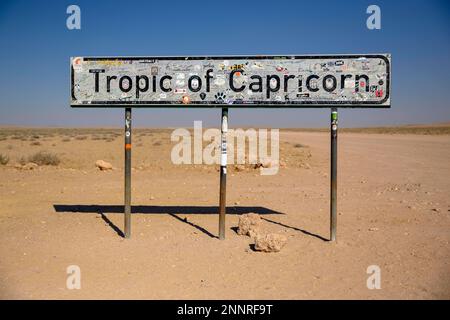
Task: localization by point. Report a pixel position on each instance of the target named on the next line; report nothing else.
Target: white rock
(271, 242)
(103, 165)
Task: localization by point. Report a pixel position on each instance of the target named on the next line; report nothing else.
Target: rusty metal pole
(127, 207)
(333, 175)
(223, 173)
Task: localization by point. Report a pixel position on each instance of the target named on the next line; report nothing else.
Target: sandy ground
(393, 205)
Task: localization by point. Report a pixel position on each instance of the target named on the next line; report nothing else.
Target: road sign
(333, 81)
(232, 81)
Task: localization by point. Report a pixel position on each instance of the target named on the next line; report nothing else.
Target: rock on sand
(103, 165)
(29, 166)
(271, 242)
(249, 224)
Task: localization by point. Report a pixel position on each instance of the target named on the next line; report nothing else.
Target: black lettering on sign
(208, 78)
(231, 80)
(286, 79)
(343, 77)
(161, 83)
(269, 87)
(329, 83)
(129, 81)
(308, 83)
(96, 77)
(108, 82)
(366, 79)
(257, 85)
(138, 85)
(199, 83)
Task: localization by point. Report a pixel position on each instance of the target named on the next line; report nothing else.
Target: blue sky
(36, 46)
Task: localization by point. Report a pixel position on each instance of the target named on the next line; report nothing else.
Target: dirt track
(393, 205)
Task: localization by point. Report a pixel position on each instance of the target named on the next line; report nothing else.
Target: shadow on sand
(172, 211)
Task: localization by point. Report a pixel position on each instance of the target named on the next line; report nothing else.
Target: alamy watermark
(190, 150)
(374, 280)
(374, 20)
(73, 21)
(73, 281)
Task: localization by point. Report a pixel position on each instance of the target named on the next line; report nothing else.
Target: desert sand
(393, 212)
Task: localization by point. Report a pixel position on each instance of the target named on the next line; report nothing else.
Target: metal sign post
(333, 174)
(127, 207)
(251, 82)
(223, 174)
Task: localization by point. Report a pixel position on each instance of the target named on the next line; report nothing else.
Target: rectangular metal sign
(232, 81)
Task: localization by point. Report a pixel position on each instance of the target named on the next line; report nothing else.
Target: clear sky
(36, 46)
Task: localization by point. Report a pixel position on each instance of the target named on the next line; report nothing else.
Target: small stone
(271, 242)
(103, 165)
(373, 229)
(30, 166)
(249, 224)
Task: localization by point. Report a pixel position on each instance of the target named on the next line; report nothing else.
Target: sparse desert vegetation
(4, 159)
(81, 148)
(44, 158)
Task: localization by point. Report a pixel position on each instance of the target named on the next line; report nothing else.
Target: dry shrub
(4, 159)
(44, 158)
(81, 137)
(35, 143)
(65, 140)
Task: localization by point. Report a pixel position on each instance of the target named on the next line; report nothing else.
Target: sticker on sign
(232, 81)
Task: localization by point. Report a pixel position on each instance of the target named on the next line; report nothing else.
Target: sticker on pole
(233, 81)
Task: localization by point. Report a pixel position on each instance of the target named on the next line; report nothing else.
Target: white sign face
(233, 81)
